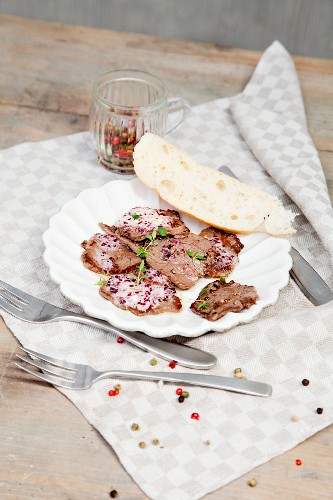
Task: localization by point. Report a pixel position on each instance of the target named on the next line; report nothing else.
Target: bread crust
(212, 197)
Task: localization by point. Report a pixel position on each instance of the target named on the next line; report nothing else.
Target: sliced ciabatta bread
(206, 194)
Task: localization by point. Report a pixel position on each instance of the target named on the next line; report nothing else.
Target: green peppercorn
(153, 362)
(185, 394)
(135, 427)
(155, 442)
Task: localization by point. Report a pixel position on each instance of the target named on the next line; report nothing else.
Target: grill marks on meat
(218, 255)
(138, 222)
(106, 254)
(171, 257)
(152, 295)
(180, 258)
(217, 299)
(222, 257)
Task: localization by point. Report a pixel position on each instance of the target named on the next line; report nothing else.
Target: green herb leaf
(222, 279)
(101, 282)
(141, 266)
(199, 256)
(162, 231)
(136, 216)
(189, 253)
(141, 252)
(131, 275)
(204, 290)
(203, 305)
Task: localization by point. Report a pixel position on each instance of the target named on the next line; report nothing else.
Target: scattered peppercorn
(252, 483)
(179, 391)
(294, 418)
(181, 399)
(320, 411)
(135, 427)
(172, 364)
(195, 416)
(142, 444)
(117, 387)
(185, 394)
(120, 340)
(238, 375)
(113, 493)
(237, 370)
(113, 393)
(305, 381)
(298, 462)
(155, 442)
(207, 442)
(153, 362)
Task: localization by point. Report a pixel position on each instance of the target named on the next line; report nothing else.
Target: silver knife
(308, 280)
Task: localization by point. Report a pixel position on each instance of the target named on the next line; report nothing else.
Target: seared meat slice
(222, 257)
(106, 254)
(153, 294)
(182, 260)
(141, 221)
(217, 299)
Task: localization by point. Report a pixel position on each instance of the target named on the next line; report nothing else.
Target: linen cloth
(261, 134)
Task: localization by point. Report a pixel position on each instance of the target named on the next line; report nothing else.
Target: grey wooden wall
(305, 27)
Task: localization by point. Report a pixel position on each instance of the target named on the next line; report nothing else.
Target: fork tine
(53, 370)
(16, 292)
(46, 377)
(48, 359)
(9, 307)
(14, 300)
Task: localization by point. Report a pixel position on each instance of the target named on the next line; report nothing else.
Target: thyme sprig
(195, 256)
(141, 272)
(143, 251)
(204, 304)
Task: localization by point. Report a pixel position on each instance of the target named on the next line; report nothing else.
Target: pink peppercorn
(120, 340)
(195, 416)
(172, 364)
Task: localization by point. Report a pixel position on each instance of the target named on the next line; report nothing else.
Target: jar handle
(177, 104)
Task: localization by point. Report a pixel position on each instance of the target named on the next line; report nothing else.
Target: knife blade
(308, 280)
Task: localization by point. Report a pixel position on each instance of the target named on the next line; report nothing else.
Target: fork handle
(171, 351)
(249, 387)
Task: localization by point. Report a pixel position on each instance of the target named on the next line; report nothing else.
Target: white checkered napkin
(290, 341)
(270, 116)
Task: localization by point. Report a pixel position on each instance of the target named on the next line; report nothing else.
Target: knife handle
(312, 285)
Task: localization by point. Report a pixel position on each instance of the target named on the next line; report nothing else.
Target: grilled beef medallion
(182, 260)
(151, 294)
(217, 299)
(138, 222)
(211, 253)
(106, 254)
(222, 257)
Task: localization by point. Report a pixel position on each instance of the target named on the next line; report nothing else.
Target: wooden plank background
(303, 26)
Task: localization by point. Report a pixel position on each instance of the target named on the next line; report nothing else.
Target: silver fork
(78, 376)
(28, 308)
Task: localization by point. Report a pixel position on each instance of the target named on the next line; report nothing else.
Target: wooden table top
(48, 450)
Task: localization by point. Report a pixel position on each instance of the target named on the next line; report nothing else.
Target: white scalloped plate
(264, 262)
